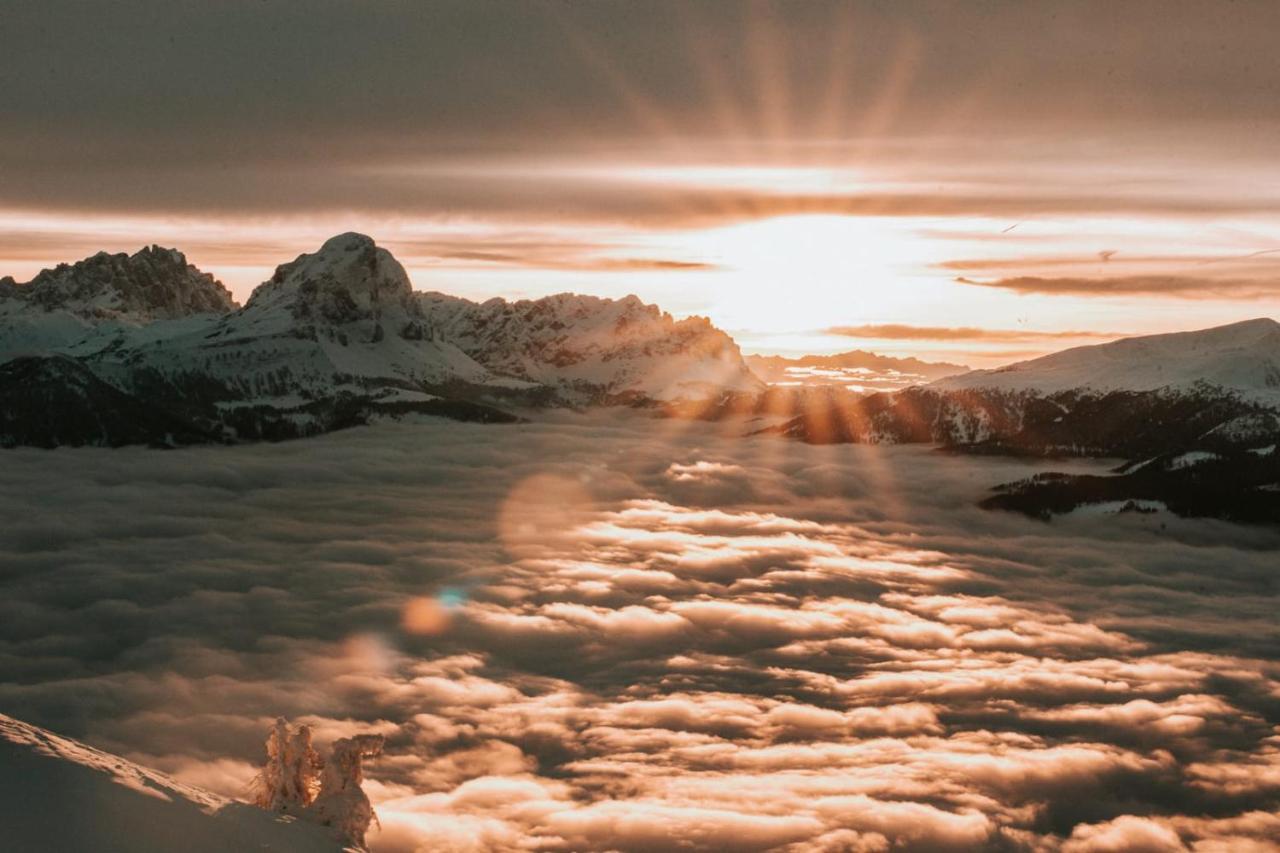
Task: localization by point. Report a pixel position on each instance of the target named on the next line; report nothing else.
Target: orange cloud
(903, 332)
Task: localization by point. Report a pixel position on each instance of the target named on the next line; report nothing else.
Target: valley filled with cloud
(609, 632)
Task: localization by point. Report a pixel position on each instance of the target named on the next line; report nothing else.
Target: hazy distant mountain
(857, 370)
(334, 338)
(1209, 400)
(1131, 396)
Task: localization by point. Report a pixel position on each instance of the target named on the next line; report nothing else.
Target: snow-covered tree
(296, 780)
(341, 803)
(289, 779)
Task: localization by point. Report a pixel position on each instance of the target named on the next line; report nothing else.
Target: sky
(974, 181)
(600, 634)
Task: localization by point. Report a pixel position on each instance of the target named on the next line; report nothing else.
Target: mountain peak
(350, 241)
(1238, 333)
(350, 287)
(154, 283)
(349, 278)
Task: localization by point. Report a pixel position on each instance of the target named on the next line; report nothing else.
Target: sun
(810, 271)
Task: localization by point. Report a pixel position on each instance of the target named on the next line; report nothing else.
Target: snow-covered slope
(49, 401)
(1240, 357)
(593, 347)
(58, 795)
(104, 299)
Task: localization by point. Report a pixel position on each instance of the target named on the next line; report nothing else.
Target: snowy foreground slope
(60, 796)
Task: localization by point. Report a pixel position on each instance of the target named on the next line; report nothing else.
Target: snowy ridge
(61, 795)
(1243, 358)
(151, 284)
(614, 347)
(105, 298)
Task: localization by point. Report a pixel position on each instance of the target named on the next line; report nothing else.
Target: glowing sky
(813, 176)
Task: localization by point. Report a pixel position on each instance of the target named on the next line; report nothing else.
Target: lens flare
(425, 616)
(542, 511)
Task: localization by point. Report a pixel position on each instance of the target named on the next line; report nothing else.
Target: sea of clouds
(617, 633)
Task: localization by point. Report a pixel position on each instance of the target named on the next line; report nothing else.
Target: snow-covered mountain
(1138, 395)
(590, 348)
(104, 297)
(335, 338)
(61, 796)
(151, 284)
(1197, 414)
(342, 320)
(1243, 358)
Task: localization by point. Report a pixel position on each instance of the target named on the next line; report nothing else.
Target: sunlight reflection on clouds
(586, 638)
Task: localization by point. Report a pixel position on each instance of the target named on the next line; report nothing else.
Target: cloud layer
(610, 634)
(1179, 286)
(153, 106)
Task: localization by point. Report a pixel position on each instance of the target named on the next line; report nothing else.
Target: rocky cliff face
(341, 320)
(151, 284)
(350, 284)
(593, 348)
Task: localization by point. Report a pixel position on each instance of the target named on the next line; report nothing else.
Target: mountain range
(147, 349)
(856, 370)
